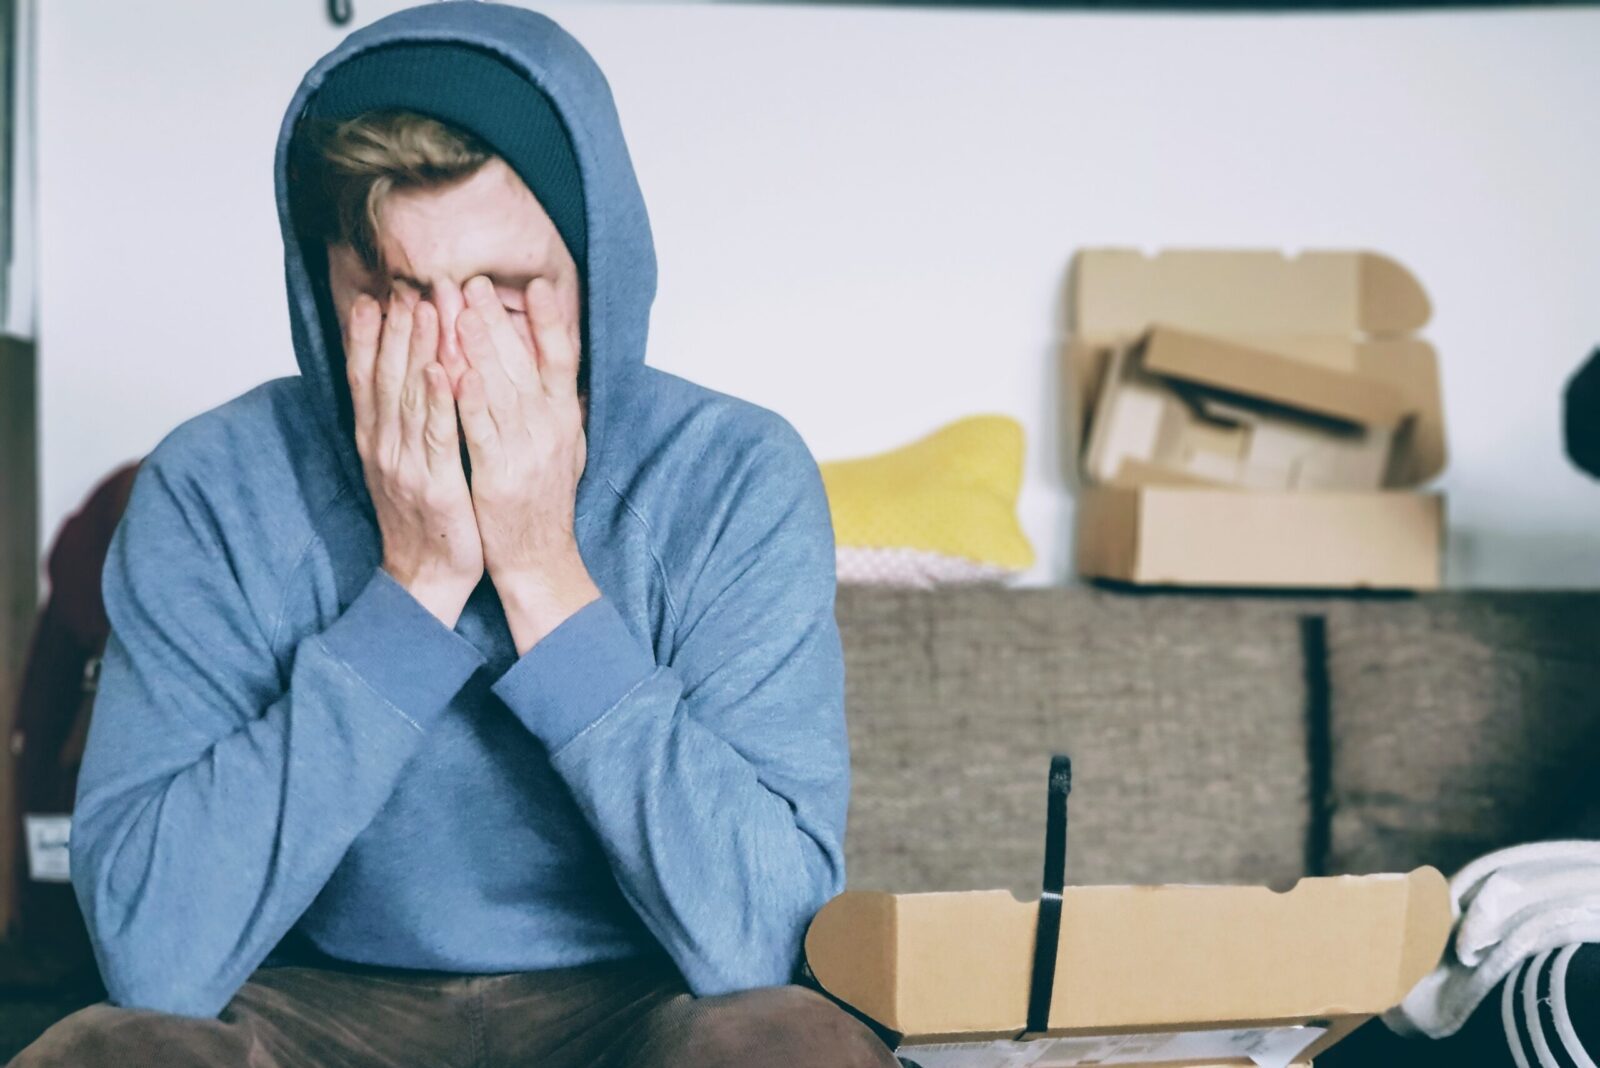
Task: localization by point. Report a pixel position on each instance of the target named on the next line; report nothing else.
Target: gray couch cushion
(1460, 723)
(1184, 716)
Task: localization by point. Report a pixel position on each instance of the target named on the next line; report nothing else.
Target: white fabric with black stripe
(1548, 1009)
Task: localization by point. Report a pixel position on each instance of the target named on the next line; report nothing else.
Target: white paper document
(1266, 1047)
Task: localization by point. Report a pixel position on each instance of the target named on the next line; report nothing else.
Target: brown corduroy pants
(635, 1014)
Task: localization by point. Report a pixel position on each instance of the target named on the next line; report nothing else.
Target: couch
(1215, 737)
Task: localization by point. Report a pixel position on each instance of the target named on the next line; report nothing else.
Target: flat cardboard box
(1284, 397)
(1177, 974)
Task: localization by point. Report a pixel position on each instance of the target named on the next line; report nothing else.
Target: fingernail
(479, 286)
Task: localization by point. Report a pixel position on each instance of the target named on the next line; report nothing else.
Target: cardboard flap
(1412, 367)
(882, 954)
(1348, 294)
(1278, 377)
(1133, 956)
(1428, 928)
(1192, 954)
(850, 949)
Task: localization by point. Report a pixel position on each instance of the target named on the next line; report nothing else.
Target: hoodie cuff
(575, 674)
(402, 651)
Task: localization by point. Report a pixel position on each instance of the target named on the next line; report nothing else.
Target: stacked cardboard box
(1251, 419)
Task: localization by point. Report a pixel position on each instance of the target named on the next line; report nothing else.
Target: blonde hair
(359, 161)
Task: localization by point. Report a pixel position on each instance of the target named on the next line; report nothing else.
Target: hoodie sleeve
(220, 789)
(717, 783)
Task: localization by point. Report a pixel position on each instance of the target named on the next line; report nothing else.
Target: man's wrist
(444, 597)
(536, 603)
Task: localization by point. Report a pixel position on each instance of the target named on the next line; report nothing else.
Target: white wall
(864, 216)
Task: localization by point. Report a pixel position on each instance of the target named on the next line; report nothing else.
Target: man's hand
(524, 431)
(405, 424)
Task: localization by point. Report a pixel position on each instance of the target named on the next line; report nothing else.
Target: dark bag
(1582, 409)
(48, 733)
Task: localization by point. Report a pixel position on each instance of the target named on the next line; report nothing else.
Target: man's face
(431, 241)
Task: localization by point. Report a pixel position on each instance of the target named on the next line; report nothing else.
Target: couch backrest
(1461, 723)
(1215, 738)
(1185, 718)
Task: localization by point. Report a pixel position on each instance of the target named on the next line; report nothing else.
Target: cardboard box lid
(1337, 293)
(1250, 367)
(946, 964)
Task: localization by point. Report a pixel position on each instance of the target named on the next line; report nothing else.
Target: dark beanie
(475, 91)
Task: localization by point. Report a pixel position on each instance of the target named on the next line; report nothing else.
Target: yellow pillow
(942, 509)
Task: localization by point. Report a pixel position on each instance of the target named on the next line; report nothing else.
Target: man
(474, 697)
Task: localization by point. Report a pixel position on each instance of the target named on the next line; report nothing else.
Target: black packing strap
(1048, 934)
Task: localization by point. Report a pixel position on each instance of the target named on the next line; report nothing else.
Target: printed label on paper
(47, 847)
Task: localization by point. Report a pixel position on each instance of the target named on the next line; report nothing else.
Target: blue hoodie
(286, 743)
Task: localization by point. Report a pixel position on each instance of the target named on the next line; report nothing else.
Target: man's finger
(440, 445)
(558, 356)
(501, 396)
(394, 349)
(513, 355)
(424, 344)
(476, 422)
(360, 350)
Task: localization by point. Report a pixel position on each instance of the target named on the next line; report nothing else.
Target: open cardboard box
(1255, 420)
(1175, 975)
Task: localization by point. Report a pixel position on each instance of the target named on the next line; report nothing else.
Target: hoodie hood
(618, 270)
